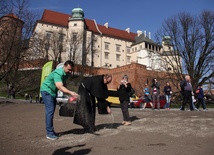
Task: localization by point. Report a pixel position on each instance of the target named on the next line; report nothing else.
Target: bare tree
(191, 39)
(50, 46)
(82, 50)
(16, 26)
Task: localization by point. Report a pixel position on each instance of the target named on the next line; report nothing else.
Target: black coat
(124, 92)
(96, 87)
(89, 89)
(167, 90)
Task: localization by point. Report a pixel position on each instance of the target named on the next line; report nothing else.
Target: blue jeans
(168, 97)
(156, 99)
(50, 106)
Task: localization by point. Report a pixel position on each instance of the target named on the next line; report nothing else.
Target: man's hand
(74, 94)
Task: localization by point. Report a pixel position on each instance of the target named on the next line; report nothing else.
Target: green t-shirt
(58, 75)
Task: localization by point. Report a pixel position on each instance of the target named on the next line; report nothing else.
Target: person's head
(167, 83)
(146, 84)
(125, 77)
(68, 67)
(187, 77)
(154, 80)
(107, 78)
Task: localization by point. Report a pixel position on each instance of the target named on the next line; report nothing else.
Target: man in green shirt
(54, 82)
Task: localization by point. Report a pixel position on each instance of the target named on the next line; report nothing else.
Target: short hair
(69, 62)
(125, 77)
(187, 76)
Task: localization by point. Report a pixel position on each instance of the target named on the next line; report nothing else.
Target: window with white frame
(106, 55)
(107, 46)
(61, 37)
(128, 50)
(128, 59)
(48, 35)
(118, 57)
(132, 49)
(118, 48)
(74, 36)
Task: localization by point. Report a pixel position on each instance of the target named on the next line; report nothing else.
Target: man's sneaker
(57, 134)
(205, 109)
(52, 137)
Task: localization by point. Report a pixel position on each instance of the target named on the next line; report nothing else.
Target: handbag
(67, 109)
(131, 92)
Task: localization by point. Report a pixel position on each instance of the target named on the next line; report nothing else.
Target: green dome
(77, 13)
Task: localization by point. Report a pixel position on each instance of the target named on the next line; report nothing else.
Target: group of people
(189, 95)
(186, 90)
(91, 90)
(94, 89)
(153, 97)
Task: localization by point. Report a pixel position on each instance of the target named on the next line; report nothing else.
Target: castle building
(63, 36)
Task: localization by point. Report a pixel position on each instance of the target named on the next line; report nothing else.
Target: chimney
(144, 33)
(149, 35)
(106, 25)
(139, 32)
(128, 30)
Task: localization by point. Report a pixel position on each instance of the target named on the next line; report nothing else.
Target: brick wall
(138, 76)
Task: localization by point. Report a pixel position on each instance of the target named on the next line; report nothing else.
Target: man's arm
(62, 88)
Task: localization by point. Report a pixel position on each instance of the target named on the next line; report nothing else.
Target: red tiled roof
(53, 17)
(61, 19)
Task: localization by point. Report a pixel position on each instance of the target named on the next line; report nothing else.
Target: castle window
(128, 49)
(118, 48)
(61, 37)
(74, 37)
(106, 55)
(128, 59)
(107, 46)
(118, 57)
(48, 35)
(146, 45)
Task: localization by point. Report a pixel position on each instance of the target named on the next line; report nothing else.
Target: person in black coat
(90, 89)
(186, 91)
(124, 89)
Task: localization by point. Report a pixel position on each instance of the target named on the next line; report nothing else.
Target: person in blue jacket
(200, 97)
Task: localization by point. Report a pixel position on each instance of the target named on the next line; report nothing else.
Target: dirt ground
(153, 132)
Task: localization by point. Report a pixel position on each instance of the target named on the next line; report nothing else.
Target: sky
(144, 15)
